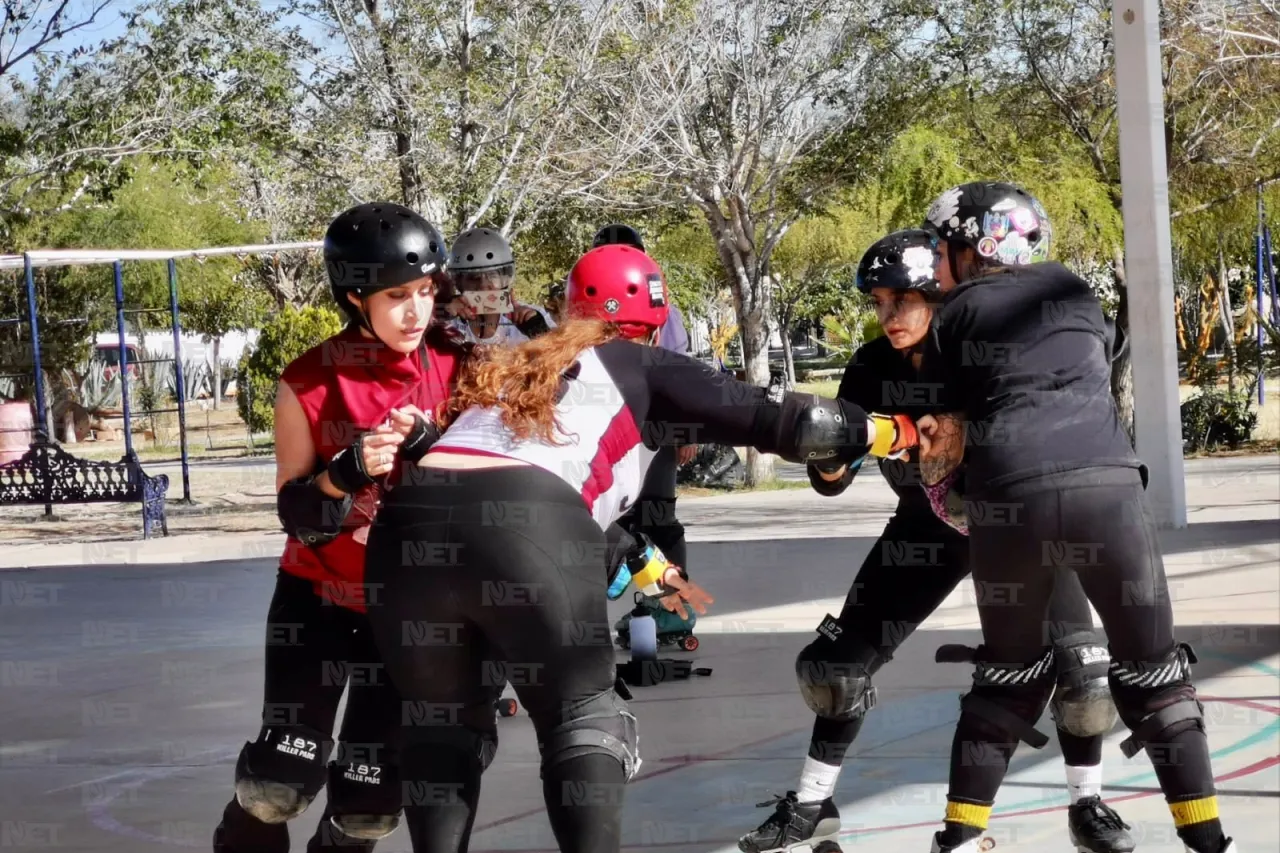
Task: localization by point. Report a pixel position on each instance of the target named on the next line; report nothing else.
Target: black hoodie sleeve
(679, 400)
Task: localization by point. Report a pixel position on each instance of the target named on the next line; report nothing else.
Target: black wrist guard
(347, 471)
(419, 440)
(308, 514)
(534, 326)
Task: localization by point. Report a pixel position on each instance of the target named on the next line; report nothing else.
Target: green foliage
(691, 264)
(283, 338)
(1213, 419)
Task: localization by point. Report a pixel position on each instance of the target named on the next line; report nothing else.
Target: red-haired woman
(489, 554)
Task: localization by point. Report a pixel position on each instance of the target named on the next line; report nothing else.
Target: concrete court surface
(127, 690)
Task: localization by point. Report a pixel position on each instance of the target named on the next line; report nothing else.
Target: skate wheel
(507, 707)
(987, 844)
(689, 643)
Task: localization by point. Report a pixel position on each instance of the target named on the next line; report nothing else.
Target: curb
(199, 548)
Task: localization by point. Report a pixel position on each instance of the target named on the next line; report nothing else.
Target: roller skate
(1096, 828)
(794, 826)
(672, 630)
(973, 845)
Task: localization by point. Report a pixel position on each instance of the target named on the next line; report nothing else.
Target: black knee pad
(1082, 703)
(279, 775)
(835, 671)
(365, 800)
(601, 724)
(1006, 699)
(1156, 699)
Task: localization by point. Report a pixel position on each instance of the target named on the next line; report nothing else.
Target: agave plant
(197, 379)
(96, 391)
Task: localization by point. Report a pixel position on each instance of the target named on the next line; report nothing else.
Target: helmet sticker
(971, 229)
(995, 225)
(656, 295)
(987, 247)
(1023, 220)
(612, 306)
(1011, 248)
(944, 208)
(919, 262)
(1004, 204)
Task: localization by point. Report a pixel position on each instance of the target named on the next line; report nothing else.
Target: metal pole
(33, 318)
(1148, 262)
(1262, 336)
(42, 414)
(117, 271)
(176, 324)
(1271, 274)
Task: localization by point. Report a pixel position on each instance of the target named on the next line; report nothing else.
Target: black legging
(1097, 521)
(312, 649)
(494, 576)
(908, 573)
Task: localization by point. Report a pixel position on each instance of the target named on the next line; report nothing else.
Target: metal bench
(47, 474)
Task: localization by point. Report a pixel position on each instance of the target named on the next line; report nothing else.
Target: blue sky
(108, 24)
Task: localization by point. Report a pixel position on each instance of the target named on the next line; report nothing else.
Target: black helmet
(479, 250)
(903, 260)
(618, 235)
(377, 246)
(1002, 222)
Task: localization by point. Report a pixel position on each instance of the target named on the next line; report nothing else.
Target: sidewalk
(1223, 494)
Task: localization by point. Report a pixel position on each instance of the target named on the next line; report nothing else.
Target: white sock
(817, 781)
(1084, 782)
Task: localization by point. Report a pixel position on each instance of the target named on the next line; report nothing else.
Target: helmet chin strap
(953, 250)
(366, 323)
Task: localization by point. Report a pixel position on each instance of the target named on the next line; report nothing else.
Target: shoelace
(781, 818)
(1106, 815)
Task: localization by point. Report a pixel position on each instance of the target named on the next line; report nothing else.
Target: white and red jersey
(619, 403)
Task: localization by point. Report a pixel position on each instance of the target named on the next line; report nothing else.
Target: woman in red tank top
(347, 413)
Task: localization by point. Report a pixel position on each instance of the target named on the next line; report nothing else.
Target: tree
(1051, 65)
(814, 269)
(750, 98)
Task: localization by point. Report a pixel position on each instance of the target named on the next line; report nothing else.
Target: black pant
(314, 649)
(654, 514)
(489, 577)
(912, 568)
(1097, 524)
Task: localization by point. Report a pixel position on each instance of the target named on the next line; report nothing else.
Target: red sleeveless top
(347, 385)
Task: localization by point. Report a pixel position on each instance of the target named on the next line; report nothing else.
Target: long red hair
(524, 381)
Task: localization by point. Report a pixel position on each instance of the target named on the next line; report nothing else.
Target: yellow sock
(968, 814)
(1194, 811)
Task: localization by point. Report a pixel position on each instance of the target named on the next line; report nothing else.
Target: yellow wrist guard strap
(886, 435)
(651, 574)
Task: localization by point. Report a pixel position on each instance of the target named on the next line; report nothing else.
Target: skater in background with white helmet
(1019, 351)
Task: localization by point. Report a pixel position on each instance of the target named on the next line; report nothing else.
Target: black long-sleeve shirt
(1024, 355)
(622, 401)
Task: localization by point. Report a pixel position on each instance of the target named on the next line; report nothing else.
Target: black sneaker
(1096, 828)
(792, 825)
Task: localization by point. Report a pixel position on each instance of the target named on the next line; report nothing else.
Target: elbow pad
(825, 430)
(308, 514)
(833, 488)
